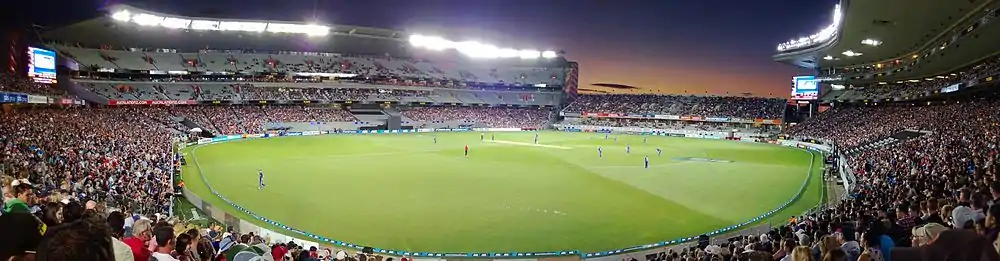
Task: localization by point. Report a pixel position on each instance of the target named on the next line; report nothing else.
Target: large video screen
(805, 88)
(42, 65)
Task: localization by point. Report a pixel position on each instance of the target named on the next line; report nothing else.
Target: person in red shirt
(279, 251)
(467, 150)
(141, 233)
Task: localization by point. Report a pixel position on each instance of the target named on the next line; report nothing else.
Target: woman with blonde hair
(828, 243)
(802, 253)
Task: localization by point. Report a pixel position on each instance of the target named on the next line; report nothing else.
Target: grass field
(405, 192)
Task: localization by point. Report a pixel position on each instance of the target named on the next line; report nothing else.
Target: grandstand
(908, 137)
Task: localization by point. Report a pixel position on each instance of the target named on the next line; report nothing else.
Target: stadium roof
(127, 26)
(876, 33)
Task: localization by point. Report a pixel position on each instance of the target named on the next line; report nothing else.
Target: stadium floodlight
(431, 42)
(871, 42)
(508, 53)
(529, 54)
(205, 25)
(309, 29)
(822, 36)
(549, 54)
(242, 26)
(477, 50)
(175, 23)
(828, 57)
(122, 15)
(147, 19)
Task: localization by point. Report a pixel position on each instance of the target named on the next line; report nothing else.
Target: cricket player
(536, 138)
(628, 148)
(644, 140)
(646, 160)
(493, 136)
(260, 179)
(600, 154)
(466, 150)
(482, 136)
(435, 139)
(606, 134)
(658, 152)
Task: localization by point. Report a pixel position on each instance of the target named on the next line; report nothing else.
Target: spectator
(86, 239)
(165, 240)
(116, 221)
(22, 234)
(142, 233)
(835, 255)
(52, 214)
(24, 196)
(801, 253)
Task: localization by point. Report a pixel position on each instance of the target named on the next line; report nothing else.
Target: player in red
(466, 150)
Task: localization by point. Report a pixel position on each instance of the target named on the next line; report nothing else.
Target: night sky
(665, 46)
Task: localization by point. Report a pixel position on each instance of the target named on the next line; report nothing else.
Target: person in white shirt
(164, 244)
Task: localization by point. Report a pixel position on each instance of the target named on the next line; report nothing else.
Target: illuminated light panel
(309, 29)
(850, 53)
(529, 54)
(147, 19)
(175, 23)
(822, 36)
(242, 26)
(871, 42)
(122, 15)
(549, 54)
(828, 57)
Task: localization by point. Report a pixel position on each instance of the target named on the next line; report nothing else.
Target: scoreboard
(41, 65)
(805, 88)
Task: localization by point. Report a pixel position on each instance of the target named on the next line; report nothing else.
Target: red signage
(151, 102)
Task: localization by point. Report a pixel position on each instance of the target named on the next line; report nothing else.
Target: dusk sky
(665, 46)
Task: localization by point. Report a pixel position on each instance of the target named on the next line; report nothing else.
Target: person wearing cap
(23, 196)
(29, 231)
(926, 234)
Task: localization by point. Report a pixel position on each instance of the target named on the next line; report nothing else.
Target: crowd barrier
(649, 250)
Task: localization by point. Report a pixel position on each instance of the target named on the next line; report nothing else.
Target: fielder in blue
(658, 152)
(628, 148)
(536, 138)
(646, 159)
(600, 154)
(260, 182)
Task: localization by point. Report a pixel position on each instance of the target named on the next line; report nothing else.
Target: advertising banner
(204, 140)
(37, 99)
(667, 117)
(717, 119)
(293, 134)
(151, 102)
(310, 133)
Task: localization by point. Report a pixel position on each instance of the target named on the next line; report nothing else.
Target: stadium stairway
(895, 138)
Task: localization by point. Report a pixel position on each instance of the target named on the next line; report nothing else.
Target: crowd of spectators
(115, 156)
(11, 83)
(495, 117)
(704, 106)
(923, 86)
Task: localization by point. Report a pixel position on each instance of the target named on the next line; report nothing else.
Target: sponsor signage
(7, 97)
(151, 102)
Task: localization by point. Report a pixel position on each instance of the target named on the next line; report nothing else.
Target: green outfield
(404, 192)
